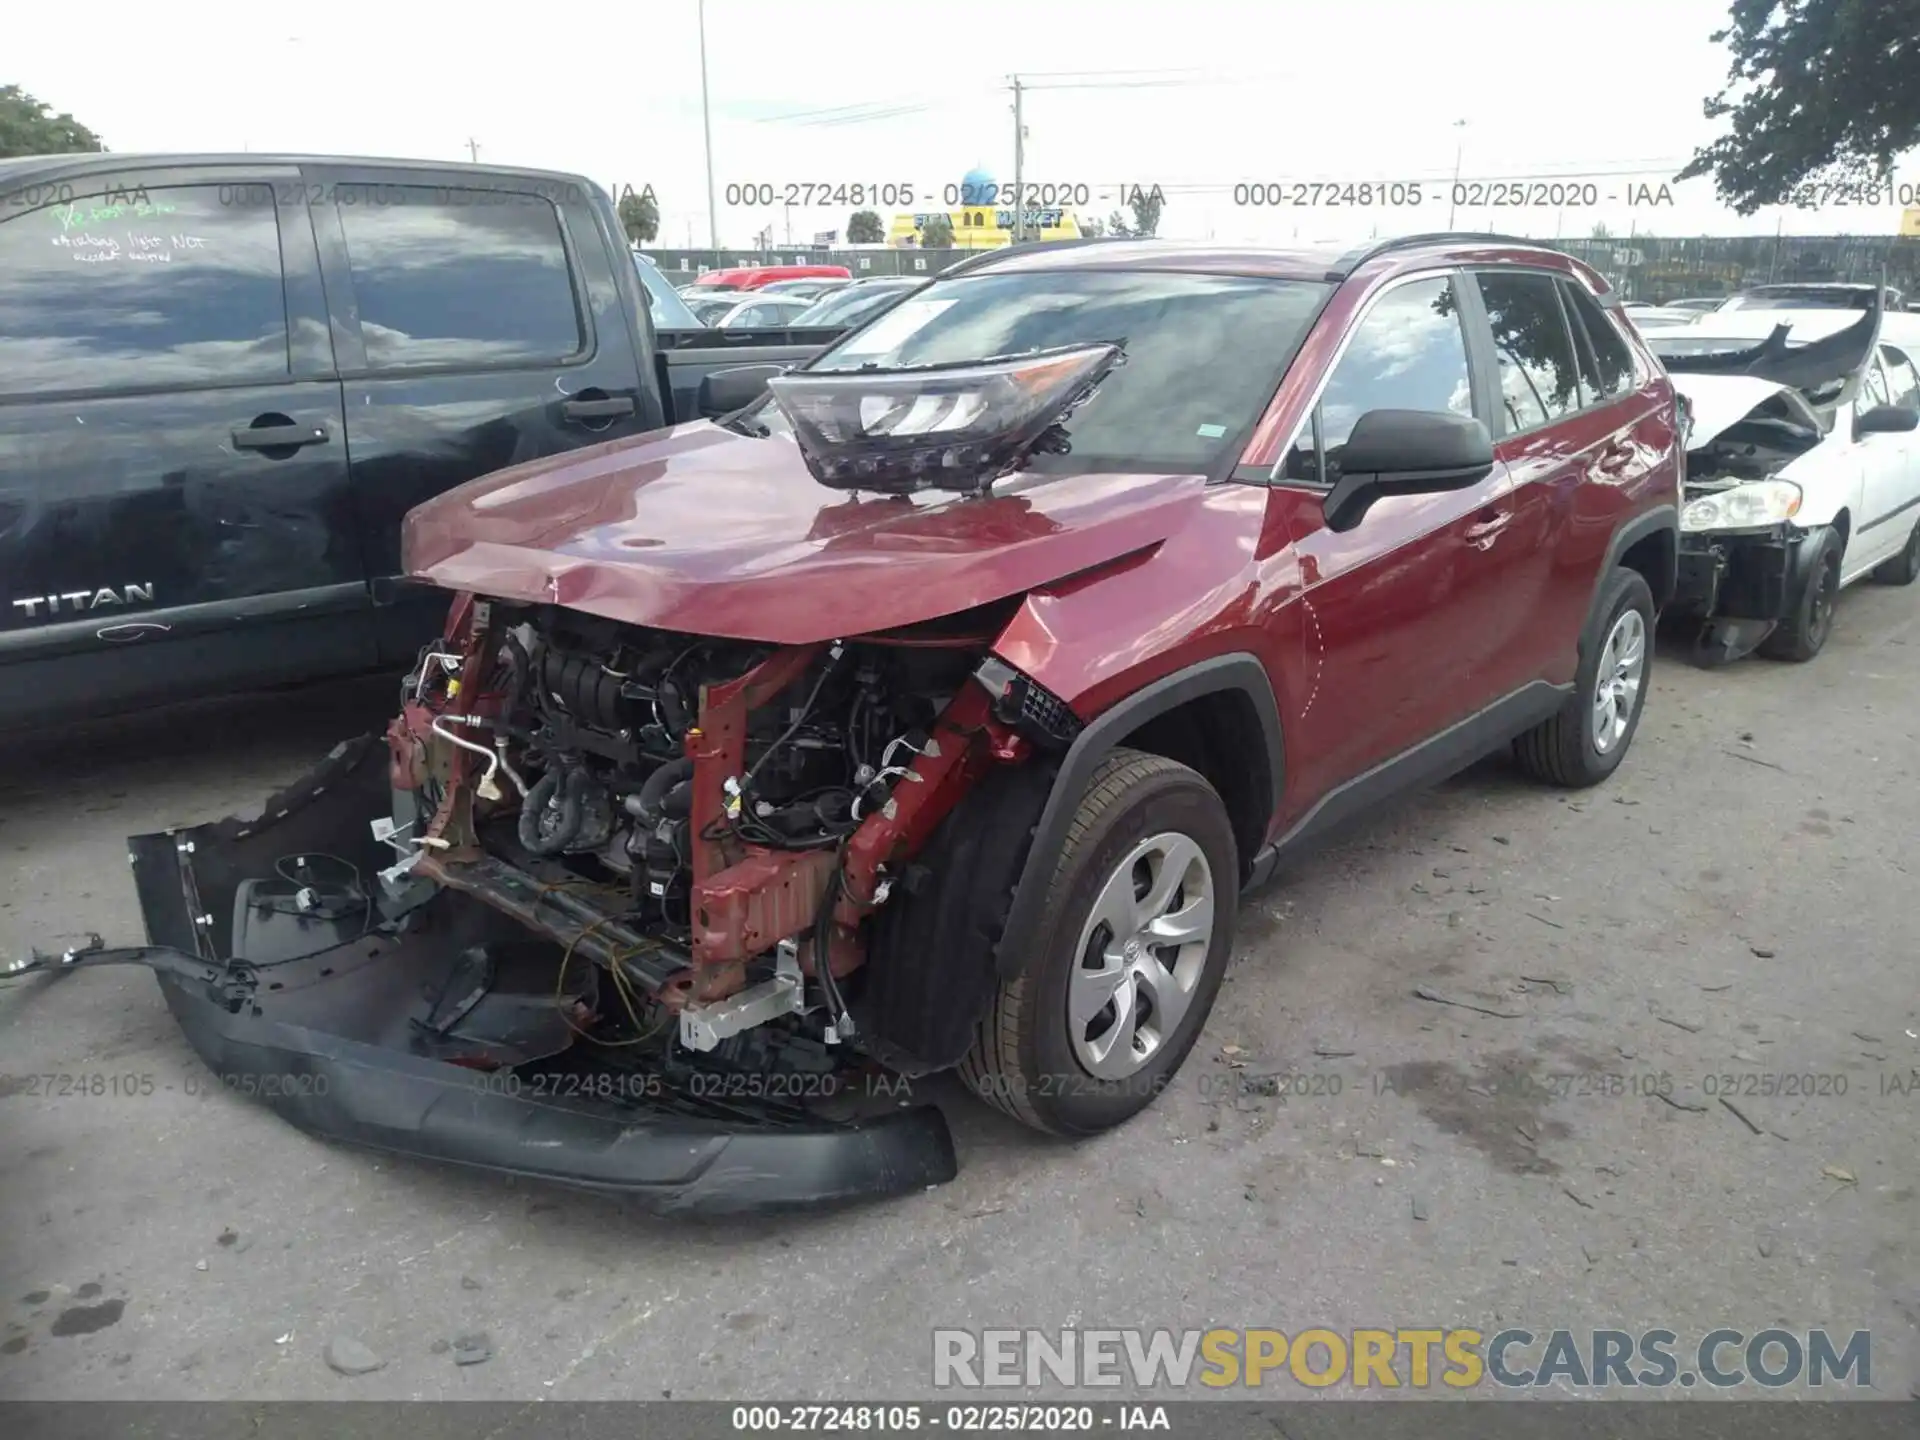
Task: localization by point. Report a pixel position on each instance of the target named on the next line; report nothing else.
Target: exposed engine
(598, 716)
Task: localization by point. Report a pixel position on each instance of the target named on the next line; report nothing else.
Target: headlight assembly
(1743, 507)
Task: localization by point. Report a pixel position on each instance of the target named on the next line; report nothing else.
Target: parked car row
(770, 296)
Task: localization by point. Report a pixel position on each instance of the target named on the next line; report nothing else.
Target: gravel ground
(1737, 901)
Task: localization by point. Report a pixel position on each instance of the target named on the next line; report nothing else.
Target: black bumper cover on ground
(335, 1042)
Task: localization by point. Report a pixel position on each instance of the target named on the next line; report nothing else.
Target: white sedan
(1803, 470)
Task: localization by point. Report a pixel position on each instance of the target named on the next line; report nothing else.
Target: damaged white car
(1803, 472)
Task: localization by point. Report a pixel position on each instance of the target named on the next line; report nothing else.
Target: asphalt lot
(1739, 900)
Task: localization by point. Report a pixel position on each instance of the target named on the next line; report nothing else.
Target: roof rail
(986, 257)
(1359, 255)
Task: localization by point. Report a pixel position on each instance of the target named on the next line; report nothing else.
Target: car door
(480, 326)
(1890, 481)
(174, 511)
(1395, 609)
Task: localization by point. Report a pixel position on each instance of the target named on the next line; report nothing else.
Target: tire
(1025, 1058)
(1904, 568)
(1803, 634)
(1573, 748)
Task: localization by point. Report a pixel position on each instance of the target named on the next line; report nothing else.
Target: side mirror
(725, 391)
(1886, 420)
(1405, 452)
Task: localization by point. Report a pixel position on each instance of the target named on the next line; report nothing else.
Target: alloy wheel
(1623, 669)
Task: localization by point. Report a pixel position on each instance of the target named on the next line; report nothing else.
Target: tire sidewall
(1628, 590)
(1070, 1100)
(1826, 563)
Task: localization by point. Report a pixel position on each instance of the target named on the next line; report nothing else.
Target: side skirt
(1427, 763)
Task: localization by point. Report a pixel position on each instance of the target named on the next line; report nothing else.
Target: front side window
(1903, 384)
(475, 281)
(1408, 353)
(1204, 353)
(142, 288)
(1606, 362)
(1539, 379)
(1875, 390)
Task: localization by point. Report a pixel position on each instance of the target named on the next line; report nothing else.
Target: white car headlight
(1744, 507)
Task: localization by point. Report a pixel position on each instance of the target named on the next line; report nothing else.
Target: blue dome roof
(978, 187)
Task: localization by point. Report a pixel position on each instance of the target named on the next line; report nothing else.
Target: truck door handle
(279, 437)
(608, 409)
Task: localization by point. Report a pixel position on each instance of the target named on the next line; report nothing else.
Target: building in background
(979, 222)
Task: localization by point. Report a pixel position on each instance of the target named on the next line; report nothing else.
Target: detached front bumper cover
(345, 1033)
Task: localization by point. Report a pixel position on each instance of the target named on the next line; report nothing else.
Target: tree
(1146, 206)
(937, 233)
(1093, 229)
(29, 127)
(1820, 93)
(1600, 232)
(1117, 224)
(639, 215)
(864, 228)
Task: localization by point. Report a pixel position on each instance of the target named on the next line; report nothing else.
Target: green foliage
(639, 215)
(937, 233)
(29, 127)
(1820, 93)
(864, 228)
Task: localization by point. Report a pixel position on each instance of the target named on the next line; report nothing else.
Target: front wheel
(1586, 741)
(1139, 923)
(1803, 634)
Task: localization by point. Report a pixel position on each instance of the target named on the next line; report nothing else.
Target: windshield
(1204, 353)
(851, 303)
(669, 311)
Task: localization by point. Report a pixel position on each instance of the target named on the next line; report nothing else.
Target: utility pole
(473, 150)
(789, 223)
(706, 124)
(1459, 148)
(1019, 167)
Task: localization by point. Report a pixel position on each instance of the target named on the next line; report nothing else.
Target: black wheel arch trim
(1648, 522)
(1238, 671)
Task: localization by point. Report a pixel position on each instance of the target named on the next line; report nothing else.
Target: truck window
(142, 289)
(474, 277)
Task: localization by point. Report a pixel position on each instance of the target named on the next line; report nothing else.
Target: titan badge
(79, 602)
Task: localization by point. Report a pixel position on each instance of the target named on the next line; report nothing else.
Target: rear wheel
(1586, 741)
(1904, 568)
(1139, 923)
(1803, 634)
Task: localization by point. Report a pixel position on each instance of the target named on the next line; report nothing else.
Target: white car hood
(1719, 402)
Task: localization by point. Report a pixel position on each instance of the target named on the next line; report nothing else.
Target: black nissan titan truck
(225, 378)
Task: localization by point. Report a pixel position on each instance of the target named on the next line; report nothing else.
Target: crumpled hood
(702, 530)
(1719, 402)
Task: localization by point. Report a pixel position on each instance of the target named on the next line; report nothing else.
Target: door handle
(279, 437)
(608, 409)
(1484, 533)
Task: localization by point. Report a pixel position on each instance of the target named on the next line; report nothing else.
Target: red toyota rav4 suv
(934, 708)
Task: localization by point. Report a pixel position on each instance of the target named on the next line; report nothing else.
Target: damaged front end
(1756, 416)
(598, 908)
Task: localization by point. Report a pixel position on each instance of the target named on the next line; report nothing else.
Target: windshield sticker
(895, 328)
(1211, 432)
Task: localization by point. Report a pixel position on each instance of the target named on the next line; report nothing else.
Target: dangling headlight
(1757, 504)
(948, 427)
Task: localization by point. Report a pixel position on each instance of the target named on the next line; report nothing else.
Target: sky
(1592, 106)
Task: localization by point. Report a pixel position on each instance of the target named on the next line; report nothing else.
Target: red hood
(701, 530)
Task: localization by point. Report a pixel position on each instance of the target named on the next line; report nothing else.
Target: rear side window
(1408, 353)
(1903, 384)
(480, 278)
(143, 288)
(1606, 364)
(1539, 380)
